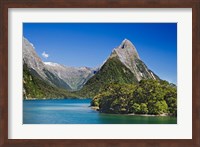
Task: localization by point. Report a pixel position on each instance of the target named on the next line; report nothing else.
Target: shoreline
(52, 98)
(164, 114)
(131, 114)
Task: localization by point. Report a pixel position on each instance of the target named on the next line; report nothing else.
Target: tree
(158, 108)
(140, 108)
(136, 108)
(143, 108)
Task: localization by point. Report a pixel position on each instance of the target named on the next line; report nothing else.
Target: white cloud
(45, 55)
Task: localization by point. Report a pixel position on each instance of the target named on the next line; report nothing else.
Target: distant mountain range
(122, 66)
(70, 78)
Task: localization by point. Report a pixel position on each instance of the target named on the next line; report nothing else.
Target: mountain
(122, 66)
(50, 74)
(71, 78)
(75, 77)
(37, 67)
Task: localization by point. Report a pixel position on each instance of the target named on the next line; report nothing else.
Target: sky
(90, 44)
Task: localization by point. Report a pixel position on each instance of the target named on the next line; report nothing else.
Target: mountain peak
(126, 43)
(127, 48)
(126, 52)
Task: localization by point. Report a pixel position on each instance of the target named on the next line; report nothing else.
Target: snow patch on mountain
(51, 64)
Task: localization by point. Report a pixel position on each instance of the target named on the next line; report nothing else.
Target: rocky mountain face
(122, 66)
(70, 78)
(36, 87)
(31, 59)
(75, 77)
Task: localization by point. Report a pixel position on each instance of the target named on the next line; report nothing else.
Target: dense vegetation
(34, 87)
(113, 71)
(147, 97)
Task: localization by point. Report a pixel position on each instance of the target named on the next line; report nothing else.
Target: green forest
(154, 97)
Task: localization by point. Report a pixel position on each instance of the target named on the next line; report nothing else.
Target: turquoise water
(77, 111)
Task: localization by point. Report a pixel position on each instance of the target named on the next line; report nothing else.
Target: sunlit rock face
(126, 52)
(31, 59)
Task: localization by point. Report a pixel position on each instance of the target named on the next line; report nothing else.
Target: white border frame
(181, 130)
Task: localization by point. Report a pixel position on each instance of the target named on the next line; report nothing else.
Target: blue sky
(89, 44)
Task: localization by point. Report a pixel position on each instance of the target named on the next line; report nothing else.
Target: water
(77, 111)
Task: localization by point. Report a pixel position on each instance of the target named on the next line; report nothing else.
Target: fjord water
(77, 111)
